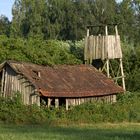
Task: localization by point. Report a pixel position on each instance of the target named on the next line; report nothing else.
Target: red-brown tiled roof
(67, 80)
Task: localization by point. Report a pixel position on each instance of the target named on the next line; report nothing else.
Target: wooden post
(122, 73)
(116, 30)
(49, 102)
(107, 61)
(87, 31)
(67, 106)
(56, 103)
(106, 30)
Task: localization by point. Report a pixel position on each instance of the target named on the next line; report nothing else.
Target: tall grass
(94, 132)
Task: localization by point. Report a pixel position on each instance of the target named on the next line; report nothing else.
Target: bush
(125, 109)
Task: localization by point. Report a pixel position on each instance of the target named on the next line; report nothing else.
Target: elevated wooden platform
(102, 47)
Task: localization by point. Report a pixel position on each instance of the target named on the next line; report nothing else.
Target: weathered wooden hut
(67, 85)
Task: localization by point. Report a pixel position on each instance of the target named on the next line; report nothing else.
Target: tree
(28, 18)
(4, 25)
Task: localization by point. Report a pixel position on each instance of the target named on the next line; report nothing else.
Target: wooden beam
(107, 62)
(87, 31)
(116, 30)
(67, 106)
(119, 77)
(122, 73)
(56, 103)
(49, 102)
(106, 30)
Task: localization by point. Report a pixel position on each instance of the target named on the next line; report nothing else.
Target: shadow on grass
(70, 133)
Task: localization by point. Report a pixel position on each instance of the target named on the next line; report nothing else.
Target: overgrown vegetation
(125, 110)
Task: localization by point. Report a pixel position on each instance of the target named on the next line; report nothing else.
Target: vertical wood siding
(102, 47)
(78, 101)
(14, 82)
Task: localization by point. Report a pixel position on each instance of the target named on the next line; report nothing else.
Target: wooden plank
(97, 44)
(2, 81)
(113, 46)
(109, 48)
(85, 49)
(90, 48)
(94, 48)
(5, 83)
(103, 49)
(99, 47)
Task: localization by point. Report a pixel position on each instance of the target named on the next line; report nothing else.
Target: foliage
(131, 61)
(67, 19)
(126, 109)
(38, 51)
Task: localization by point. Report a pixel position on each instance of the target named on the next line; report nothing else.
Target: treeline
(67, 19)
(51, 32)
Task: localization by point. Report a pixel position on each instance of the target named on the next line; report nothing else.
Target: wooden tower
(106, 49)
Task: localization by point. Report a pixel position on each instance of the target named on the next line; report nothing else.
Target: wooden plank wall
(14, 82)
(102, 47)
(78, 101)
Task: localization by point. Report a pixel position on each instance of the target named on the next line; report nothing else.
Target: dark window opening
(52, 102)
(0, 80)
(62, 101)
(43, 101)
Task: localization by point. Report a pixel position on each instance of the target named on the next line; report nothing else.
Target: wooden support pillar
(67, 106)
(122, 73)
(56, 103)
(49, 102)
(107, 63)
(87, 31)
(116, 30)
(106, 30)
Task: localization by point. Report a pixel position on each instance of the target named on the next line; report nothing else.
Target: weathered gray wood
(87, 32)
(116, 30)
(49, 102)
(2, 81)
(90, 48)
(56, 103)
(5, 84)
(67, 104)
(85, 49)
(102, 47)
(122, 73)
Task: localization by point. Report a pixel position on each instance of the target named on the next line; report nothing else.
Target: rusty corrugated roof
(66, 80)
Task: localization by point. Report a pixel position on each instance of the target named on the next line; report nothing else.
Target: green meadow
(107, 131)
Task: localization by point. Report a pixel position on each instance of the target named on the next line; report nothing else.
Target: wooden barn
(59, 85)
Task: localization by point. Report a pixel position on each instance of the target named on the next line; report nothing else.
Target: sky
(6, 8)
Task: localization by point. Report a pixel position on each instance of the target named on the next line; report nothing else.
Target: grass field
(74, 132)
